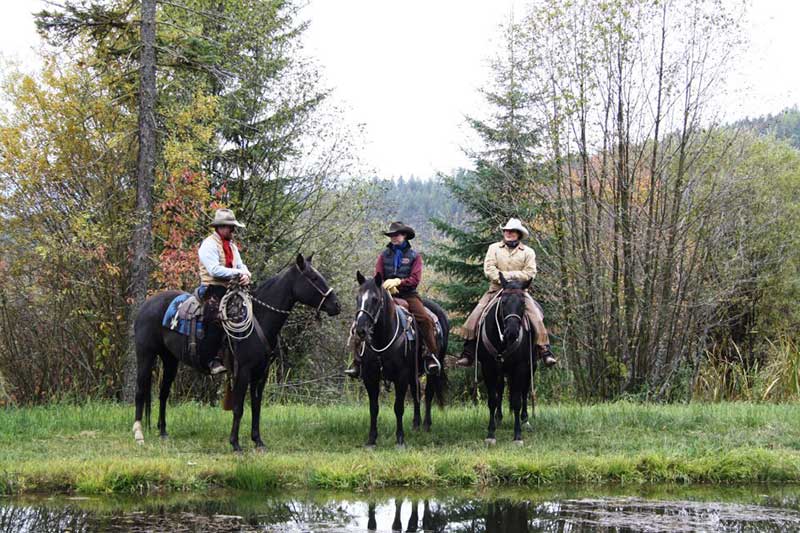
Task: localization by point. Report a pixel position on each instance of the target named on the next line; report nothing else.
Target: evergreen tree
(499, 185)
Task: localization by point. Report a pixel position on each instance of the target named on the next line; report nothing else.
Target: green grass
(90, 448)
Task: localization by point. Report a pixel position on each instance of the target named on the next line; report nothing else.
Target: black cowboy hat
(399, 227)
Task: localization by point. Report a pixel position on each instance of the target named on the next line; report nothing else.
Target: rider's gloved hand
(391, 285)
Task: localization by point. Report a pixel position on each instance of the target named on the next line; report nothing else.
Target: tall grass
(726, 379)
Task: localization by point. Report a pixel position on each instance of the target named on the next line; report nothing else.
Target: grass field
(90, 448)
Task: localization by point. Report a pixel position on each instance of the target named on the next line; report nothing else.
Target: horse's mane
(269, 282)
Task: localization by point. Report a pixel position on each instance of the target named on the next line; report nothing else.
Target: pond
(569, 509)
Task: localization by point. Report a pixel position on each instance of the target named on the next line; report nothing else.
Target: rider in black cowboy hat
(401, 268)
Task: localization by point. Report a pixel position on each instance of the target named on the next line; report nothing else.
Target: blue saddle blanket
(182, 326)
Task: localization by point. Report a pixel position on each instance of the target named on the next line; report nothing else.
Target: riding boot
(215, 366)
(354, 370)
(546, 355)
(468, 353)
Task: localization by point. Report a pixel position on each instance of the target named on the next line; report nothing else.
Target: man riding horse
(220, 263)
(517, 262)
(401, 268)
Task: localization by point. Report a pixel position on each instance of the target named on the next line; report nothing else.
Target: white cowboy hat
(225, 217)
(514, 224)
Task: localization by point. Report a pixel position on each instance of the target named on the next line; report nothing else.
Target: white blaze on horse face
(364, 298)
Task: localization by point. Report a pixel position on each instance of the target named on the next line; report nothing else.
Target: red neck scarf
(226, 247)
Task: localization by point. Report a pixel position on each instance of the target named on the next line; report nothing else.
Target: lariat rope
(240, 327)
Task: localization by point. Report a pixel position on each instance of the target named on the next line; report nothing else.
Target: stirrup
(216, 367)
(353, 372)
(435, 368)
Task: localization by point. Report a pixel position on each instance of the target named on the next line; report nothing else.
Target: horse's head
(312, 289)
(512, 306)
(369, 302)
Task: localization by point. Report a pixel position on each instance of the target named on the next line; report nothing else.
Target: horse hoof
(400, 446)
(164, 436)
(415, 427)
(138, 434)
(370, 447)
(426, 428)
(519, 443)
(490, 442)
(260, 449)
(527, 426)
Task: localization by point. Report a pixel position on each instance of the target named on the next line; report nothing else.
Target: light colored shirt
(209, 257)
(518, 264)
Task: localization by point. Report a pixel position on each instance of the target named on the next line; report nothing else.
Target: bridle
(374, 321)
(510, 315)
(322, 293)
(484, 338)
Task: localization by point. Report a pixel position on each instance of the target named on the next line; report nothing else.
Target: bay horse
(393, 354)
(505, 350)
(273, 301)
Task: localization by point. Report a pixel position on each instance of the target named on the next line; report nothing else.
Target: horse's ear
(301, 263)
(308, 259)
(527, 284)
(503, 281)
(378, 279)
(360, 277)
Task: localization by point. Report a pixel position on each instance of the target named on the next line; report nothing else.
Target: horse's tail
(439, 383)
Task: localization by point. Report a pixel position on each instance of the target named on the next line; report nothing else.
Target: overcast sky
(409, 71)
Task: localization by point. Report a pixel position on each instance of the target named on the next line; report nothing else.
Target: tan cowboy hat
(225, 217)
(514, 224)
(399, 227)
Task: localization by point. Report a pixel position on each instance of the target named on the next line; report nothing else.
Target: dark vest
(403, 271)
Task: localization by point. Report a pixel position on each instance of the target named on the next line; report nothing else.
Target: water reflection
(568, 510)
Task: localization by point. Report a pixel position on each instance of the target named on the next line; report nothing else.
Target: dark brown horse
(505, 350)
(392, 351)
(273, 302)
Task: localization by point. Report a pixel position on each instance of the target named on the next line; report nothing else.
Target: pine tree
(499, 185)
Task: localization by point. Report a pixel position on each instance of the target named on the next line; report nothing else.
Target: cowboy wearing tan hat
(401, 267)
(220, 262)
(517, 262)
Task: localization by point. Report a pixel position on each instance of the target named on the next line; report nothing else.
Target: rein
(484, 337)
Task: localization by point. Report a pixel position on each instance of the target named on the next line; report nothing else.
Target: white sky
(409, 71)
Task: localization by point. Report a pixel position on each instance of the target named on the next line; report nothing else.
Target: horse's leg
(490, 378)
(501, 387)
(239, 392)
(413, 520)
(145, 360)
(401, 386)
(414, 385)
(257, 381)
(397, 524)
(430, 390)
(170, 371)
(517, 391)
(373, 388)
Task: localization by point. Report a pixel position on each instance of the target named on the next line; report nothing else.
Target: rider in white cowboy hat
(517, 262)
(219, 263)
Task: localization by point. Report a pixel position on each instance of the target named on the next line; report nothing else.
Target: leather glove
(390, 284)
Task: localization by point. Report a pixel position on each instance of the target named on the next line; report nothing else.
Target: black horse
(505, 349)
(392, 351)
(273, 301)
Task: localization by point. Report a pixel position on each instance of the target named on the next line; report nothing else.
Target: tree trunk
(145, 172)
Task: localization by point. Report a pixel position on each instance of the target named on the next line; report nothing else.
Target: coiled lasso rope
(238, 328)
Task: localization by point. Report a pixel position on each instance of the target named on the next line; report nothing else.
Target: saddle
(185, 316)
(437, 326)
